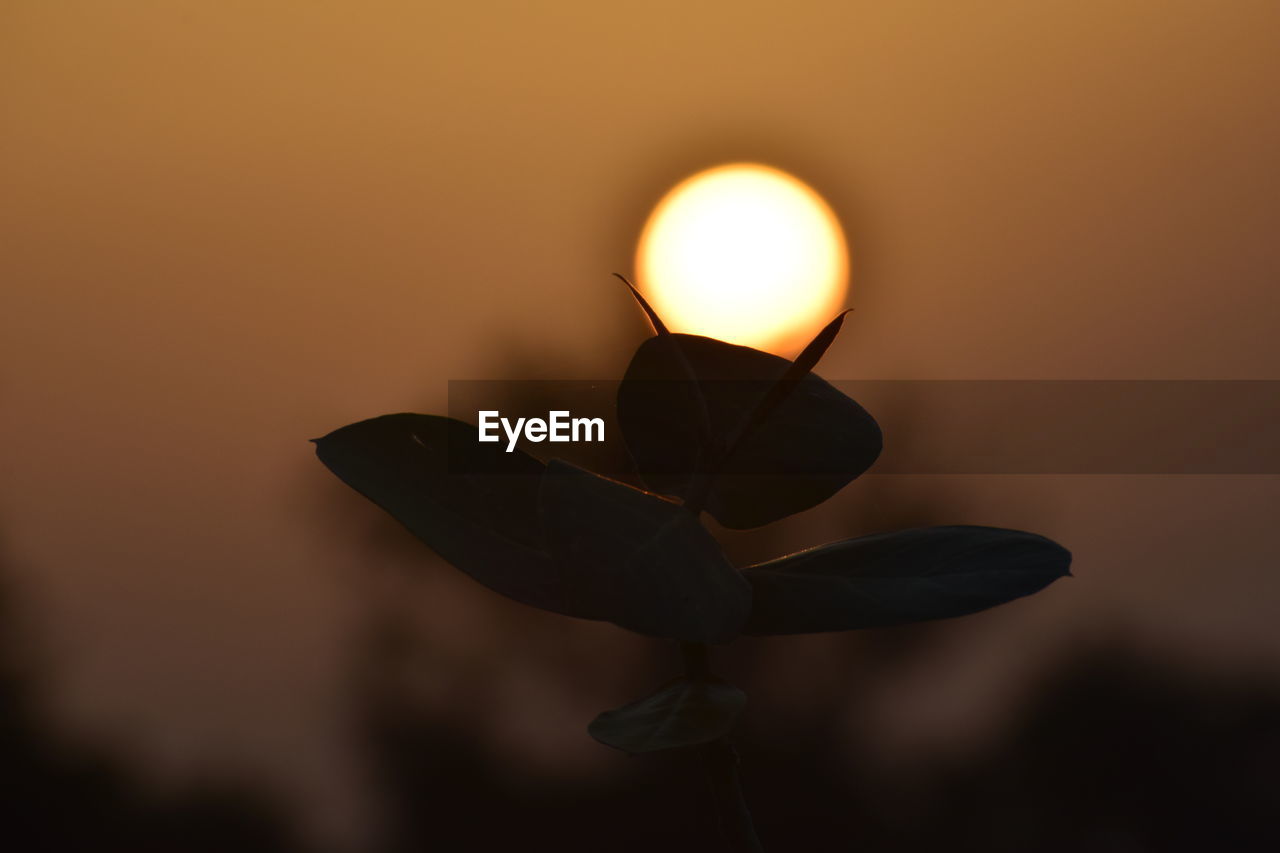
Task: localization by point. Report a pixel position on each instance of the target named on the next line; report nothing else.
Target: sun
(745, 253)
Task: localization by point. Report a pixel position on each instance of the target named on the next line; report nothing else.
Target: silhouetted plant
(748, 438)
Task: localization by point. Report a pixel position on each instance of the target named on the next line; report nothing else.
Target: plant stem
(697, 665)
(721, 762)
(735, 818)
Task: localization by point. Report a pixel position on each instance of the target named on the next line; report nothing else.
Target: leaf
(804, 363)
(682, 713)
(814, 441)
(895, 578)
(611, 552)
(473, 503)
(659, 328)
(813, 351)
(639, 560)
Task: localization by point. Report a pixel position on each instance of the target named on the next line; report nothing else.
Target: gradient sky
(229, 227)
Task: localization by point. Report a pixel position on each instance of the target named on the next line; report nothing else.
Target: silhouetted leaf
(895, 578)
(472, 502)
(812, 443)
(639, 560)
(659, 328)
(804, 363)
(814, 350)
(682, 713)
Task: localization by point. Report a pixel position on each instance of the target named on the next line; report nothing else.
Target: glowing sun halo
(745, 253)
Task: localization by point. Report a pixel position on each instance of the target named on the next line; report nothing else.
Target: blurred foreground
(1113, 751)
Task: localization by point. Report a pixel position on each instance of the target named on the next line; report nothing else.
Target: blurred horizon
(230, 228)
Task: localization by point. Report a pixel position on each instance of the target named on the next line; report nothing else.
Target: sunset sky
(227, 228)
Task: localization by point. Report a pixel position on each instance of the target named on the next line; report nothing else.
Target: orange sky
(230, 227)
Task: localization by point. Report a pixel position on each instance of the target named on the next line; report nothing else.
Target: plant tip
(659, 328)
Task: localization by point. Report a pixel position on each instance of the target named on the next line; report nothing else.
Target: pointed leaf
(472, 502)
(813, 351)
(682, 713)
(895, 578)
(639, 560)
(804, 364)
(659, 328)
(811, 444)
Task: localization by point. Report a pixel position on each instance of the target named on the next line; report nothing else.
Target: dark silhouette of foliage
(746, 436)
(60, 797)
(800, 449)
(640, 558)
(896, 578)
(685, 712)
(1113, 749)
